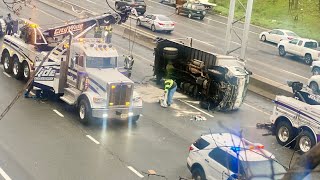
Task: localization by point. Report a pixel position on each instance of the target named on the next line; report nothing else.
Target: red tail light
(173, 24)
(161, 24)
(190, 148)
(290, 38)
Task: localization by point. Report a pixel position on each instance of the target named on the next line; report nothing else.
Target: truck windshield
(261, 170)
(101, 62)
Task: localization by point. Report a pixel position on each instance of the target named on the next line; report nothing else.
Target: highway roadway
(43, 139)
(262, 58)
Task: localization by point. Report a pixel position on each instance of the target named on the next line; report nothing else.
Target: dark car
(139, 5)
(192, 10)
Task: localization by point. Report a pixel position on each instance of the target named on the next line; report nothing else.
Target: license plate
(123, 116)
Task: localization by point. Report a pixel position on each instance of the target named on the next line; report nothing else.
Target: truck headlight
(98, 99)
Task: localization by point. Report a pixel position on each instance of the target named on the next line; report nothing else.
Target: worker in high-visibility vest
(170, 87)
(98, 32)
(108, 34)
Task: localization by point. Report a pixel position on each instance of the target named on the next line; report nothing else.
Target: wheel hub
(6, 63)
(82, 111)
(26, 71)
(283, 134)
(15, 68)
(305, 144)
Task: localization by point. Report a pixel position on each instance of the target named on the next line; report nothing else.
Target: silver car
(156, 22)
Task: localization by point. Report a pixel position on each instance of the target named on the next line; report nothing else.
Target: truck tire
(314, 86)
(282, 51)
(17, 68)
(7, 63)
(117, 6)
(26, 71)
(198, 174)
(84, 110)
(308, 59)
(316, 71)
(189, 15)
(284, 133)
(305, 141)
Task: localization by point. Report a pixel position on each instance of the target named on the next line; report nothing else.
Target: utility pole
(230, 28)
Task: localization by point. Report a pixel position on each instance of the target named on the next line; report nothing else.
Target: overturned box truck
(220, 82)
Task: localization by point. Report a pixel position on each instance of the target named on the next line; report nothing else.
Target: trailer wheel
(17, 68)
(84, 111)
(305, 141)
(26, 71)
(284, 133)
(7, 63)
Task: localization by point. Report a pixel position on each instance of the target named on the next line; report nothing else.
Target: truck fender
(282, 118)
(84, 96)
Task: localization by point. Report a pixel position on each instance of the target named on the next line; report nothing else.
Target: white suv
(215, 156)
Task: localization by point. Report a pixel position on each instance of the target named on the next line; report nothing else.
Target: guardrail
(258, 84)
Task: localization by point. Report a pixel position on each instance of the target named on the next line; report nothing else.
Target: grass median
(304, 19)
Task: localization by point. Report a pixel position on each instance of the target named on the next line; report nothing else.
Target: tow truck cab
(93, 70)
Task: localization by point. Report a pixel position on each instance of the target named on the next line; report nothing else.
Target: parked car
(226, 156)
(139, 5)
(156, 22)
(192, 10)
(277, 35)
(308, 49)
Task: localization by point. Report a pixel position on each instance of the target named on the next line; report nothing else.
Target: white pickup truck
(308, 49)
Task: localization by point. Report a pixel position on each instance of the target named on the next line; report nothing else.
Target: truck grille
(120, 94)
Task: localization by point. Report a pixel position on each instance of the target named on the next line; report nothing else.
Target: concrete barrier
(258, 84)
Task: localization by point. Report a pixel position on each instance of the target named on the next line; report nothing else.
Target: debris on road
(198, 118)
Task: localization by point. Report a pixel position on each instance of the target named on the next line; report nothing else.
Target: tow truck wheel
(26, 71)
(198, 174)
(284, 133)
(17, 69)
(7, 63)
(84, 111)
(306, 141)
(314, 86)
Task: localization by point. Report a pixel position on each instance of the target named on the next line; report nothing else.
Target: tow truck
(295, 120)
(83, 72)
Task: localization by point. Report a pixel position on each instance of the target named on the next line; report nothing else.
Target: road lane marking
(91, 2)
(135, 171)
(196, 108)
(8, 75)
(57, 112)
(4, 174)
(44, 12)
(257, 109)
(92, 139)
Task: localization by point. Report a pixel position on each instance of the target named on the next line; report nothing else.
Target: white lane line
(135, 171)
(92, 139)
(8, 75)
(91, 2)
(196, 108)
(257, 109)
(44, 12)
(4, 174)
(57, 112)
(133, 53)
